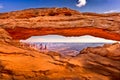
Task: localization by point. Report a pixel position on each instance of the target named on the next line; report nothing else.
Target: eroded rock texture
(23, 63)
(18, 62)
(62, 21)
(4, 36)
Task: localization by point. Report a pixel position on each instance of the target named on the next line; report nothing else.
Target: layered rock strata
(18, 62)
(62, 21)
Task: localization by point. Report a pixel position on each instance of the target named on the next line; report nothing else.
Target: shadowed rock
(20, 63)
(61, 21)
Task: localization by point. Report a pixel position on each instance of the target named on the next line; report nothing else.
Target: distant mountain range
(64, 49)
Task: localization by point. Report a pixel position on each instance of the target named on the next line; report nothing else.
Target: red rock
(31, 22)
(22, 63)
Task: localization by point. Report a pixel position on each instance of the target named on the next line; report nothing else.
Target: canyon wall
(18, 62)
(63, 21)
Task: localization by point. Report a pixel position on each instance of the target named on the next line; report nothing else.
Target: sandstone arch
(24, 33)
(31, 22)
(19, 63)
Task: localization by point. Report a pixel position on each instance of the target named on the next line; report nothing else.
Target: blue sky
(98, 6)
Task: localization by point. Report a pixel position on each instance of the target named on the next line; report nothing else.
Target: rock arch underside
(31, 22)
(18, 62)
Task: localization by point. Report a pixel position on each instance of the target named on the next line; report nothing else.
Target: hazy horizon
(62, 39)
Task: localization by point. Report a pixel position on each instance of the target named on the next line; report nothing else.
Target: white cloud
(81, 3)
(111, 11)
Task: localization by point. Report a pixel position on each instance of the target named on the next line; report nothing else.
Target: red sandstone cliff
(22, 63)
(62, 21)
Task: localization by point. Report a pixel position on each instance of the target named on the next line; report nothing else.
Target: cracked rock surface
(61, 21)
(20, 63)
(23, 63)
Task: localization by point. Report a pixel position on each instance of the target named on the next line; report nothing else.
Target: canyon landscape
(20, 62)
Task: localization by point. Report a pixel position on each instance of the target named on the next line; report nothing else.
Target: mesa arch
(24, 33)
(23, 24)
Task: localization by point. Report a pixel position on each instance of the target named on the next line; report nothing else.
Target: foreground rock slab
(23, 63)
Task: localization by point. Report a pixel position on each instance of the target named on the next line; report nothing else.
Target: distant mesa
(62, 39)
